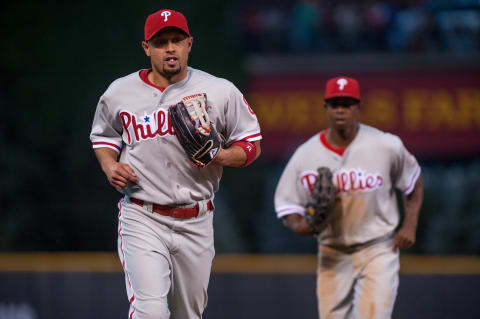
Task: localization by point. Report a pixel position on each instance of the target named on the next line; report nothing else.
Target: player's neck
(341, 138)
(164, 81)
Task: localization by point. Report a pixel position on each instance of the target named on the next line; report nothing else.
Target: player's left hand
(405, 237)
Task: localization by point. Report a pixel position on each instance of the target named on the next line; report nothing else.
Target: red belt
(174, 212)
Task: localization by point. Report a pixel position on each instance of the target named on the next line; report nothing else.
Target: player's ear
(190, 43)
(146, 47)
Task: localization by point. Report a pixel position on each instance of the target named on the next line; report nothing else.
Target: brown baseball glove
(194, 131)
(320, 208)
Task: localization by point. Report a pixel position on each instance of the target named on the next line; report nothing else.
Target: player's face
(168, 51)
(342, 113)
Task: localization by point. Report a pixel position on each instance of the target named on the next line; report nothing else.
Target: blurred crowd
(317, 26)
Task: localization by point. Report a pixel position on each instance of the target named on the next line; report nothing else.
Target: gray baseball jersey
(132, 118)
(167, 259)
(371, 167)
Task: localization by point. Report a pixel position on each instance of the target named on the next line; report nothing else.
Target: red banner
(436, 113)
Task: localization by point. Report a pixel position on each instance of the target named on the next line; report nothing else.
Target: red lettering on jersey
(150, 133)
(360, 184)
(357, 180)
(379, 181)
(350, 180)
(138, 130)
(370, 181)
(126, 119)
(146, 127)
(344, 185)
(161, 123)
(308, 179)
(353, 180)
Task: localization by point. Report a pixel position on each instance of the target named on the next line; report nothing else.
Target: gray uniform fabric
(167, 260)
(372, 166)
(132, 118)
(357, 267)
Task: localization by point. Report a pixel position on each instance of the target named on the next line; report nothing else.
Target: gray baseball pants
(166, 260)
(357, 283)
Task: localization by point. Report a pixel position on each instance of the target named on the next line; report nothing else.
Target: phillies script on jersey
(346, 180)
(149, 126)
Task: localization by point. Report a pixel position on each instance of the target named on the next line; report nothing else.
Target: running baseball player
(165, 230)
(358, 255)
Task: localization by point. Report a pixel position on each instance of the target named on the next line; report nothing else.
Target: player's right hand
(298, 224)
(119, 174)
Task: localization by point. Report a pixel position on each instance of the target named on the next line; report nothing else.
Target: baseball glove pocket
(320, 208)
(194, 130)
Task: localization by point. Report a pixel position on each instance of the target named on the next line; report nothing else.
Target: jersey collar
(144, 76)
(323, 140)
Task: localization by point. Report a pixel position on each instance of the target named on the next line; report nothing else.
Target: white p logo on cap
(165, 14)
(341, 83)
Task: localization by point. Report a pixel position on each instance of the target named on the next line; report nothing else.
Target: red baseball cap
(342, 86)
(163, 19)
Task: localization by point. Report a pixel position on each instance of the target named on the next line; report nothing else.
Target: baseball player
(358, 255)
(165, 230)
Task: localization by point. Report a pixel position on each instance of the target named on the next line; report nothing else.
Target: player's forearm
(118, 174)
(105, 157)
(413, 202)
(235, 156)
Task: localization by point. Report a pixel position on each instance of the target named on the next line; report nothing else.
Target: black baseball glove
(320, 208)
(194, 130)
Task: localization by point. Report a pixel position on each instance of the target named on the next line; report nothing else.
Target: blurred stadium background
(418, 62)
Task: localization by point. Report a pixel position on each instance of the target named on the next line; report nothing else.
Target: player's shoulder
(212, 80)
(381, 137)
(120, 84)
(306, 147)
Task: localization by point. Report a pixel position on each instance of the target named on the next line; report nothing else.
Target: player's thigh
(335, 280)
(144, 255)
(147, 276)
(376, 288)
(194, 252)
(191, 266)
(190, 284)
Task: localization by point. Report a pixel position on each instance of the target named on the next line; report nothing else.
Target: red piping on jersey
(323, 139)
(106, 143)
(413, 181)
(144, 76)
(284, 210)
(251, 136)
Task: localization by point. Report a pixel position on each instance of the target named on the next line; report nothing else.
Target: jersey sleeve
(290, 195)
(406, 169)
(106, 131)
(242, 123)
